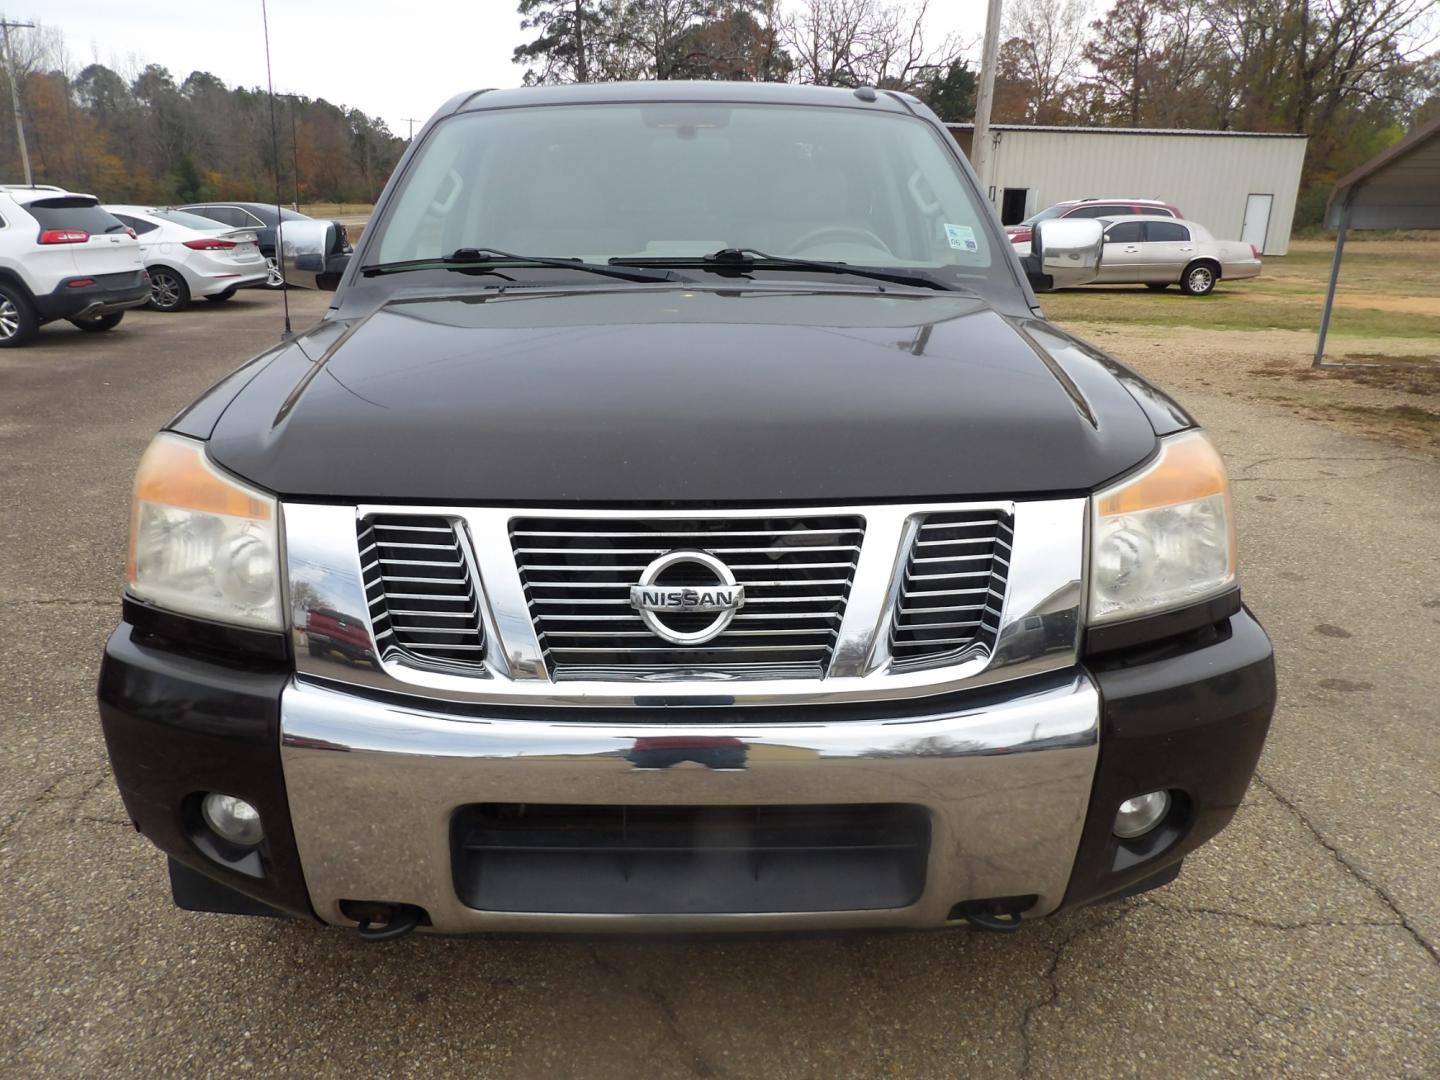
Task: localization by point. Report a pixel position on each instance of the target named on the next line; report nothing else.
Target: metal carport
(1399, 189)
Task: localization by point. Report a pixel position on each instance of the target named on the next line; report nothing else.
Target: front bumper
(1019, 781)
(106, 293)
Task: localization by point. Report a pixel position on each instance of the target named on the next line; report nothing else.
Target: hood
(658, 394)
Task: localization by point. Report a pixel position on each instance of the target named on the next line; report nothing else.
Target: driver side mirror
(1064, 252)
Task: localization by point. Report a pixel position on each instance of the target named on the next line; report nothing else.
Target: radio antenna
(287, 333)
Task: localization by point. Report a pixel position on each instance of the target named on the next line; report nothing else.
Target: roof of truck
(667, 90)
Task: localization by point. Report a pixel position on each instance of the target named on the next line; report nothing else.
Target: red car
(1091, 208)
(327, 630)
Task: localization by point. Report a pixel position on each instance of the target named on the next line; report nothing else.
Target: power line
(5, 27)
(412, 121)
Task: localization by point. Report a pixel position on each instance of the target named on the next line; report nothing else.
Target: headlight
(202, 543)
(1164, 538)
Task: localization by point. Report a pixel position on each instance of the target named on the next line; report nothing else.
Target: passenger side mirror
(315, 254)
(1064, 252)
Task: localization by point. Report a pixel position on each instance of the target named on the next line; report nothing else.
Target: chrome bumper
(372, 787)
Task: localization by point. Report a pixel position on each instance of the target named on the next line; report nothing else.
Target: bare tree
(899, 58)
(825, 39)
(659, 29)
(1044, 40)
(864, 43)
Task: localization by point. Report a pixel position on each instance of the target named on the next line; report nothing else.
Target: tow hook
(382, 921)
(1000, 915)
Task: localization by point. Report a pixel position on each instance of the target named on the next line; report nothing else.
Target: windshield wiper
(469, 259)
(751, 259)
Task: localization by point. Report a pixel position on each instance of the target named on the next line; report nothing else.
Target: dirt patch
(1409, 305)
(1419, 376)
(1390, 388)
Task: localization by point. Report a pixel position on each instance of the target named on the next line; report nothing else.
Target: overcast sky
(390, 58)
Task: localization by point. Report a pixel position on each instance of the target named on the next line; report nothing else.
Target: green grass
(1243, 306)
(1410, 267)
(331, 209)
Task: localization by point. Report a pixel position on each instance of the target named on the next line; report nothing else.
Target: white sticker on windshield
(961, 237)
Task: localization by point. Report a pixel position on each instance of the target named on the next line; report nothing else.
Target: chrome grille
(577, 574)
(418, 585)
(954, 586)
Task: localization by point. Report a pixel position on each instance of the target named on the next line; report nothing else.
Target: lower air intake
(689, 860)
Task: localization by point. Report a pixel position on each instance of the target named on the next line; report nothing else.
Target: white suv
(63, 257)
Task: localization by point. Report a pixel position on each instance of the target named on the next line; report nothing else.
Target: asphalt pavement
(1305, 941)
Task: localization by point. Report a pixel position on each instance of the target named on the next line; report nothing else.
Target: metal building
(1239, 185)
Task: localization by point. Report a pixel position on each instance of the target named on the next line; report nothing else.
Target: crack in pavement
(1391, 464)
(9, 826)
(1379, 890)
(1269, 924)
(670, 1020)
(1057, 953)
(1331, 458)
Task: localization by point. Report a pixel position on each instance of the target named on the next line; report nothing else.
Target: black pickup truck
(684, 519)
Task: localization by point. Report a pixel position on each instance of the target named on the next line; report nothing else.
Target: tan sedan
(1160, 253)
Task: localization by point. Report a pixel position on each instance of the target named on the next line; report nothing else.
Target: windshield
(192, 221)
(1045, 215)
(686, 180)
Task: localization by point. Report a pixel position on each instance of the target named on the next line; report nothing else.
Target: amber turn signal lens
(1188, 468)
(1165, 537)
(202, 543)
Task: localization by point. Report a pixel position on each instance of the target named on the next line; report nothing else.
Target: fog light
(232, 819)
(1139, 815)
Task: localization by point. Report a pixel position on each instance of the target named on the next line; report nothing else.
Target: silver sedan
(1159, 253)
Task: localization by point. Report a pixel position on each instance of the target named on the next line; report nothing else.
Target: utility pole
(294, 146)
(6, 26)
(985, 97)
(411, 121)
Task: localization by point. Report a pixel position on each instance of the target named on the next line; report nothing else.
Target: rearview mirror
(1064, 252)
(316, 254)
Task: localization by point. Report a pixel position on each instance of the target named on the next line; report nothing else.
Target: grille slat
(667, 649)
(714, 549)
(779, 583)
(577, 575)
(429, 610)
(967, 550)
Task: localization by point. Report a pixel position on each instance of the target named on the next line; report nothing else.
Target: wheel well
(1204, 260)
(9, 277)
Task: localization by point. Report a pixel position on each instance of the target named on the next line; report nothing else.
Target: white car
(63, 257)
(190, 256)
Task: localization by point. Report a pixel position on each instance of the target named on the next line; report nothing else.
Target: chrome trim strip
(1039, 623)
(505, 596)
(888, 530)
(373, 786)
